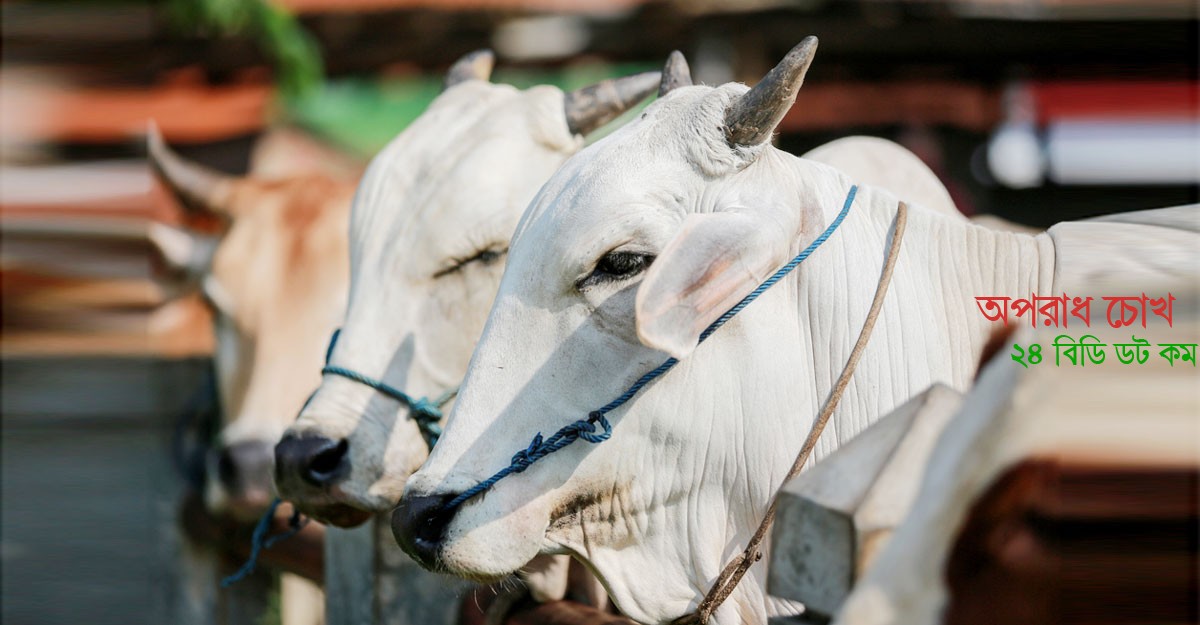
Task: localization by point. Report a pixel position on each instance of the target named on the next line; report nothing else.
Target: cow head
(276, 283)
(429, 235)
(627, 253)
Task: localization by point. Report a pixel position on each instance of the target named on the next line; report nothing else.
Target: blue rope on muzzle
(587, 429)
(426, 412)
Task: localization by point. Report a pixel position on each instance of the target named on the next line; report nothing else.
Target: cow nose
(244, 469)
(419, 525)
(317, 460)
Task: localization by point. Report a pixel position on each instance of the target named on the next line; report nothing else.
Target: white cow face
(429, 234)
(276, 283)
(628, 252)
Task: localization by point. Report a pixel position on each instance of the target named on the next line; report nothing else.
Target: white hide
(658, 509)
(887, 165)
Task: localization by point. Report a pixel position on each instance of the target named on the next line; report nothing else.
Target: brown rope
(737, 568)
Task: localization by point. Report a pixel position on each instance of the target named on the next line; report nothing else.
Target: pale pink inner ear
(714, 262)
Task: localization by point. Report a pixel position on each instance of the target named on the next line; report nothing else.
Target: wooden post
(836, 516)
(369, 581)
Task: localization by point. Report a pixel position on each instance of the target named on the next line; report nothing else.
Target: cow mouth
(337, 514)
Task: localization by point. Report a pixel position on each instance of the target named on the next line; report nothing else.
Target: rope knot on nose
(425, 410)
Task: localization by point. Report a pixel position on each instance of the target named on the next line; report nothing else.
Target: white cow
(628, 252)
(429, 233)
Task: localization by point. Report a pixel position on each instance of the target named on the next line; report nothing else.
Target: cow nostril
(313, 460)
(324, 465)
(226, 470)
(419, 525)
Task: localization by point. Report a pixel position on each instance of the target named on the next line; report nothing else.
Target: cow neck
(737, 568)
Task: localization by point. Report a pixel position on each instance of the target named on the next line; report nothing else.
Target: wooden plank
(371, 582)
(37, 110)
(834, 517)
(349, 587)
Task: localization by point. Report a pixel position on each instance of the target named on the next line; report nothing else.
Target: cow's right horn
(751, 119)
(181, 251)
(475, 65)
(675, 74)
(197, 187)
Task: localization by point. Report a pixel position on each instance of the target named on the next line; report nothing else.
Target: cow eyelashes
(615, 266)
(486, 256)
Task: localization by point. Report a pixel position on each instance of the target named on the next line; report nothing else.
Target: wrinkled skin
(659, 509)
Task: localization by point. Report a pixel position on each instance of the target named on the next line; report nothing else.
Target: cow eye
(486, 257)
(615, 266)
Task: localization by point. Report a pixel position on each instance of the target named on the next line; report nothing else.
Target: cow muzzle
(419, 525)
(304, 463)
(243, 472)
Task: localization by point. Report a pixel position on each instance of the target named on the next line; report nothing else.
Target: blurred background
(1035, 111)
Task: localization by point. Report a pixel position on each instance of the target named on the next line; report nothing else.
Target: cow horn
(675, 74)
(593, 106)
(181, 251)
(752, 118)
(475, 65)
(197, 187)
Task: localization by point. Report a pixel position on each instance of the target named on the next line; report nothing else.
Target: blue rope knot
(425, 410)
(522, 459)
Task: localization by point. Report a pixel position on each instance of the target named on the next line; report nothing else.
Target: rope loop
(595, 418)
(259, 541)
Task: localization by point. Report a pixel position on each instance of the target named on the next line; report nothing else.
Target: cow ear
(716, 260)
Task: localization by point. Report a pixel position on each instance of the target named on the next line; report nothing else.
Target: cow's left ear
(716, 260)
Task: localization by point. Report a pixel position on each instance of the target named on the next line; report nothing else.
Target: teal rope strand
(426, 412)
(259, 541)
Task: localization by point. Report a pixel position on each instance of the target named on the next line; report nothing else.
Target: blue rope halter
(586, 429)
(426, 412)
